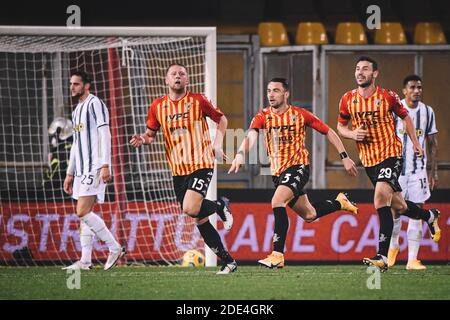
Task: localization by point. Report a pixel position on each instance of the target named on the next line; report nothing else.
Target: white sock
(396, 233)
(86, 239)
(431, 219)
(414, 237)
(100, 229)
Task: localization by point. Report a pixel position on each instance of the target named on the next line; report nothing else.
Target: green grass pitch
(176, 283)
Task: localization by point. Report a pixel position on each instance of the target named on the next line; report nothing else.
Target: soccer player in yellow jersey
(284, 127)
(181, 115)
(370, 111)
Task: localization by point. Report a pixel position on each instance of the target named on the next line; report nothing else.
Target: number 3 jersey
(425, 124)
(376, 115)
(285, 135)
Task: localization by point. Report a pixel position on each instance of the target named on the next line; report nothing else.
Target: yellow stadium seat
(350, 33)
(311, 33)
(272, 34)
(390, 33)
(429, 33)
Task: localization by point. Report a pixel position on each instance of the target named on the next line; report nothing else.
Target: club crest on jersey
(78, 127)
(188, 105)
(164, 105)
(377, 102)
(293, 118)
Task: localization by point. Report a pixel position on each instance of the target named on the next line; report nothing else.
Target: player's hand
(359, 133)
(350, 166)
(433, 181)
(105, 175)
(418, 149)
(68, 182)
(137, 140)
(219, 154)
(236, 164)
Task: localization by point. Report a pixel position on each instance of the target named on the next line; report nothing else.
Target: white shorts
(415, 186)
(89, 185)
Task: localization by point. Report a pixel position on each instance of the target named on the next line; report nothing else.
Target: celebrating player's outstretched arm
(245, 146)
(139, 139)
(349, 165)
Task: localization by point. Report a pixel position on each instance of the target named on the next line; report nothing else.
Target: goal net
(38, 223)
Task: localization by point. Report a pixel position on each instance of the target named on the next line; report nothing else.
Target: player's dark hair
(85, 77)
(176, 64)
(369, 59)
(283, 81)
(411, 77)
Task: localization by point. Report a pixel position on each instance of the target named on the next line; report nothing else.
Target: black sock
(326, 207)
(386, 226)
(212, 239)
(220, 206)
(416, 212)
(281, 228)
(208, 208)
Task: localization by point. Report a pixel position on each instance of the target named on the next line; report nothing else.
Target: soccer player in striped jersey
(284, 127)
(181, 116)
(370, 110)
(413, 179)
(89, 169)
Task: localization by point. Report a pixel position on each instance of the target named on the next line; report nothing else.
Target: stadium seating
(272, 34)
(350, 33)
(311, 33)
(429, 33)
(390, 33)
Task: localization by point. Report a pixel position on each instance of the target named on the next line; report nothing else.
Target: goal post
(38, 224)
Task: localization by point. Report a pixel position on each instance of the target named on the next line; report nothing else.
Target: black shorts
(389, 171)
(295, 178)
(197, 181)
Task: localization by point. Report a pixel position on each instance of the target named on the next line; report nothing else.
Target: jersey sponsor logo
(177, 116)
(173, 129)
(282, 128)
(368, 114)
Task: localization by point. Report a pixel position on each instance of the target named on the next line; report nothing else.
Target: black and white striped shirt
(87, 118)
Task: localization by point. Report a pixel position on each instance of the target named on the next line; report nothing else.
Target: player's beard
(78, 95)
(276, 106)
(367, 83)
(416, 100)
(178, 88)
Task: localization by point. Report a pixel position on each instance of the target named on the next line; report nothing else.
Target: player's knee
(191, 210)
(199, 222)
(399, 208)
(309, 217)
(82, 212)
(278, 202)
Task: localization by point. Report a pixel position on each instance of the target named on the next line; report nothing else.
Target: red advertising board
(152, 231)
